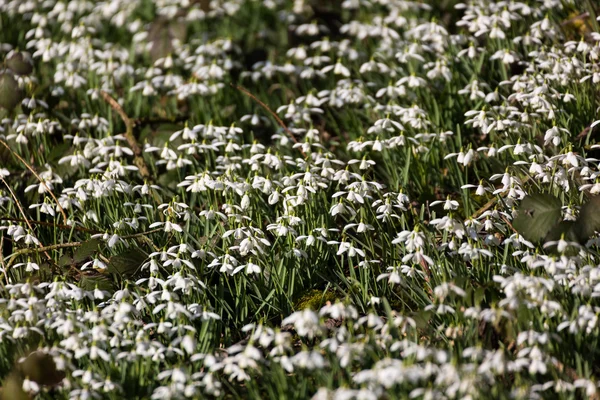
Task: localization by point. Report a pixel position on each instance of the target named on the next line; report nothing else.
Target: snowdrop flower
(338, 69)
(448, 204)
(29, 266)
(167, 226)
(305, 322)
(461, 157)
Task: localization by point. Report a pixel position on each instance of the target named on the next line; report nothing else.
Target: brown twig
(509, 224)
(266, 107)
(70, 244)
(29, 167)
(138, 158)
(135, 235)
(2, 260)
(44, 223)
(139, 122)
(584, 15)
(44, 249)
(493, 201)
(485, 207)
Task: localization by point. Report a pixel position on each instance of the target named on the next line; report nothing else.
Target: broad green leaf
(537, 215)
(566, 230)
(589, 219)
(59, 150)
(422, 319)
(40, 368)
(479, 296)
(12, 388)
(81, 254)
(20, 62)
(127, 263)
(10, 93)
(91, 282)
(86, 250)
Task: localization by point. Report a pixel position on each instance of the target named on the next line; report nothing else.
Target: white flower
(338, 69)
(305, 322)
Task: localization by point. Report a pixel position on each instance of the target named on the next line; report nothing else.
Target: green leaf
(83, 252)
(537, 215)
(40, 368)
(563, 230)
(91, 282)
(12, 388)
(566, 230)
(127, 263)
(86, 250)
(10, 93)
(422, 319)
(161, 34)
(20, 62)
(479, 296)
(59, 150)
(589, 219)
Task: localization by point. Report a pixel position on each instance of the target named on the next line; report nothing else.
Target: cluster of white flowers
(373, 152)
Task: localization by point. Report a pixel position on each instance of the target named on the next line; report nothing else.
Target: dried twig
(2, 264)
(493, 202)
(139, 122)
(485, 207)
(581, 16)
(44, 249)
(44, 223)
(69, 244)
(138, 158)
(29, 167)
(509, 224)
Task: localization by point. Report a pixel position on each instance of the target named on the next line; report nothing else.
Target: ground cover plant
(277, 199)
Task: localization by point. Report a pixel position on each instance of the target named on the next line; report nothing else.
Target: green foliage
(10, 93)
(537, 215)
(539, 220)
(177, 283)
(127, 263)
(314, 299)
(20, 63)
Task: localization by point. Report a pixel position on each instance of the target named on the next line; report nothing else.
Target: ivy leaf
(566, 230)
(162, 33)
(10, 93)
(91, 282)
(86, 250)
(127, 263)
(589, 219)
(12, 388)
(537, 215)
(83, 252)
(40, 368)
(19, 62)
